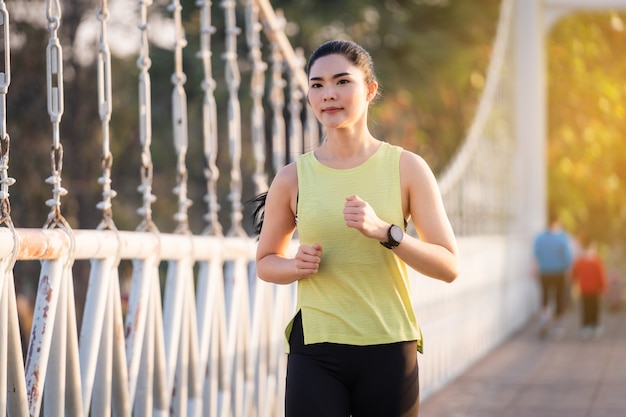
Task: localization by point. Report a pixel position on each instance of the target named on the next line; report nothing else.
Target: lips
(331, 109)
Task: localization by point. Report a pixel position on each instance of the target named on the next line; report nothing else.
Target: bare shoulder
(421, 197)
(414, 169)
(286, 177)
(284, 188)
(413, 159)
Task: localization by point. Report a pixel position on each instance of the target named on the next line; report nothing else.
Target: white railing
(492, 298)
(198, 333)
(211, 346)
(482, 191)
(479, 186)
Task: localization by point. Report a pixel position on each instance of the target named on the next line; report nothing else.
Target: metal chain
(54, 71)
(179, 121)
(295, 110)
(5, 141)
(257, 91)
(233, 80)
(145, 122)
(5, 73)
(277, 100)
(105, 109)
(274, 24)
(209, 121)
(5, 180)
(311, 129)
(283, 54)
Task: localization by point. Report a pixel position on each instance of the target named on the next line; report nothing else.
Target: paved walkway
(556, 377)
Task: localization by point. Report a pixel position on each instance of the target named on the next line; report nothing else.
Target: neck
(345, 152)
(346, 143)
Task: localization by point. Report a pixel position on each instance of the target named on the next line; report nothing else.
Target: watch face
(397, 234)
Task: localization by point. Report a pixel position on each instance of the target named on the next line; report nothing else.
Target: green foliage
(587, 125)
(427, 54)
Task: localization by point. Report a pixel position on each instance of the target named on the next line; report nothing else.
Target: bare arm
(273, 260)
(434, 253)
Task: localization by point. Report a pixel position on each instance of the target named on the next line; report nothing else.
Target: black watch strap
(391, 242)
(388, 245)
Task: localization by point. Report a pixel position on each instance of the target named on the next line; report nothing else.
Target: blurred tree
(429, 54)
(587, 125)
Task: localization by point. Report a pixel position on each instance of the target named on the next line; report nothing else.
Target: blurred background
(431, 58)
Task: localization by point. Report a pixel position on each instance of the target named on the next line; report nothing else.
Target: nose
(329, 94)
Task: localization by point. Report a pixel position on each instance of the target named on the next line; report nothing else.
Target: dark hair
(361, 59)
(353, 52)
(258, 212)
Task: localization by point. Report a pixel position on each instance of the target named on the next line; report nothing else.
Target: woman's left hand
(359, 215)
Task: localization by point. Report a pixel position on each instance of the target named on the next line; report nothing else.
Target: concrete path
(561, 376)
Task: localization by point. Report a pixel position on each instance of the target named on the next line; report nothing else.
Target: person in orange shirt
(588, 272)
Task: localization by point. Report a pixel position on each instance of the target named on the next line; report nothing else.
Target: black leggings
(335, 380)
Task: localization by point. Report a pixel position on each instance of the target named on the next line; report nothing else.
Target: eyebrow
(341, 74)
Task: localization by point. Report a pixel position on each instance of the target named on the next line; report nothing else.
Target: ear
(372, 89)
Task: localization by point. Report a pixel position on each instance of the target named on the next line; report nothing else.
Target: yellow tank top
(361, 293)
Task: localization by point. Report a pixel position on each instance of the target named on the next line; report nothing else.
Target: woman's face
(337, 91)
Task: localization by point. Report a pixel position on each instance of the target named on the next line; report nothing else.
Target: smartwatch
(395, 235)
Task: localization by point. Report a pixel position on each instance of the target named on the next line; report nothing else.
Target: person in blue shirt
(553, 254)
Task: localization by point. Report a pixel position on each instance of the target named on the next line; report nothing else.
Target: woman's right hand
(308, 259)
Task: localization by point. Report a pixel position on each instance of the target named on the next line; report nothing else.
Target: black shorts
(336, 380)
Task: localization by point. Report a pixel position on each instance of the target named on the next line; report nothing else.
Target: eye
(343, 81)
(315, 85)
